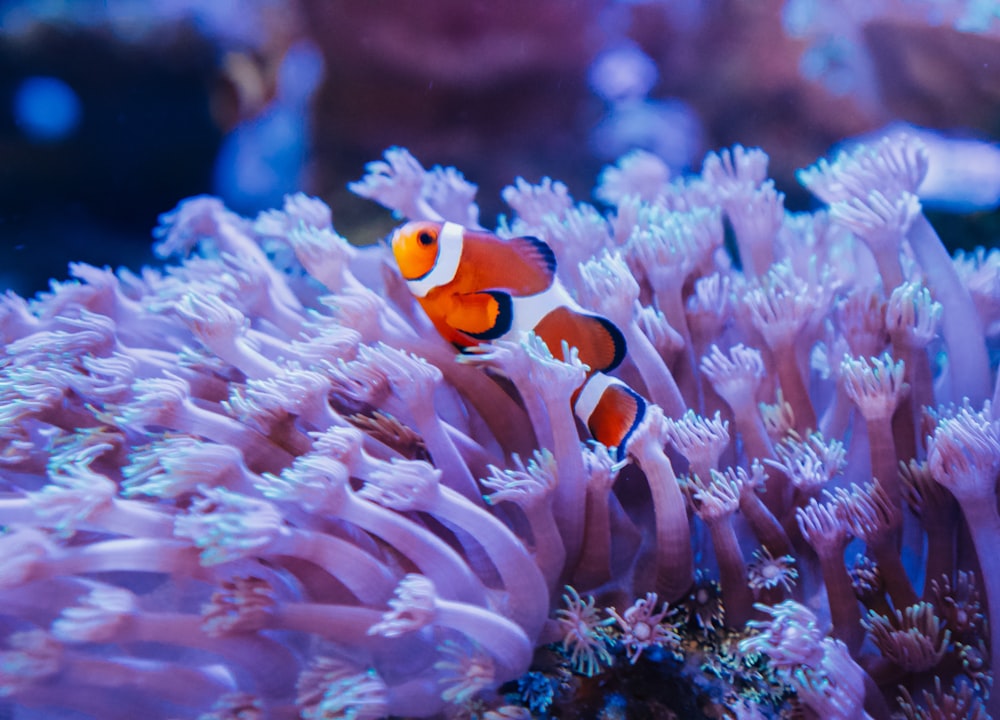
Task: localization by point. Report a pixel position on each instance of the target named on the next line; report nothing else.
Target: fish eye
(425, 238)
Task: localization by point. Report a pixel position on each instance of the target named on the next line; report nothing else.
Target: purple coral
(585, 634)
(642, 627)
(915, 639)
(965, 457)
(265, 451)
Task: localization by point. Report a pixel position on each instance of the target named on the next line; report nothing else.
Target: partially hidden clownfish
(477, 287)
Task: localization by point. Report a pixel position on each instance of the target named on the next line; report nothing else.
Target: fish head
(415, 247)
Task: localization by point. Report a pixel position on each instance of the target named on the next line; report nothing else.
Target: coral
(642, 627)
(916, 639)
(765, 571)
(585, 633)
(331, 688)
(257, 483)
(941, 704)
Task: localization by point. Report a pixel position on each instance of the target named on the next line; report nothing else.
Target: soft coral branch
(964, 456)
(674, 563)
(415, 485)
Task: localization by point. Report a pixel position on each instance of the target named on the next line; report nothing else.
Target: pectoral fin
(484, 315)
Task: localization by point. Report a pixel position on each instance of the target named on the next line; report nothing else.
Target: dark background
(496, 89)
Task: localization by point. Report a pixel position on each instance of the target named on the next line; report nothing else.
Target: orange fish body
(477, 287)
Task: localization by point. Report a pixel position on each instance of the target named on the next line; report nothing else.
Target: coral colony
(258, 484)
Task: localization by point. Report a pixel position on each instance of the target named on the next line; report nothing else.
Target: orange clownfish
(477, 287)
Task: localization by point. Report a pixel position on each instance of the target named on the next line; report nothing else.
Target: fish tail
(611, 410)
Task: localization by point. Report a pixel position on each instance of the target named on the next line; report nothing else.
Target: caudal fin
(611, 410)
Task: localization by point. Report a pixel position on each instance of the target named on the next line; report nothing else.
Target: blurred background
(111, 111)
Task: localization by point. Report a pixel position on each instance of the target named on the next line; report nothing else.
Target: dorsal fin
(535, 247)
(521, 266)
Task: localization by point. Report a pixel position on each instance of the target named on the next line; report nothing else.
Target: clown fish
(477, 287)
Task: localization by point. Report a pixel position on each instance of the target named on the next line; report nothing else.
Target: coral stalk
(415, 486)
(968, 366)
(715, 500)
(416, 604)
(825, 531)
(322, 484)
(876, 385)
(556, 380)
(532, 486)
(965, 457)
(612, 290)
(674, 565)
